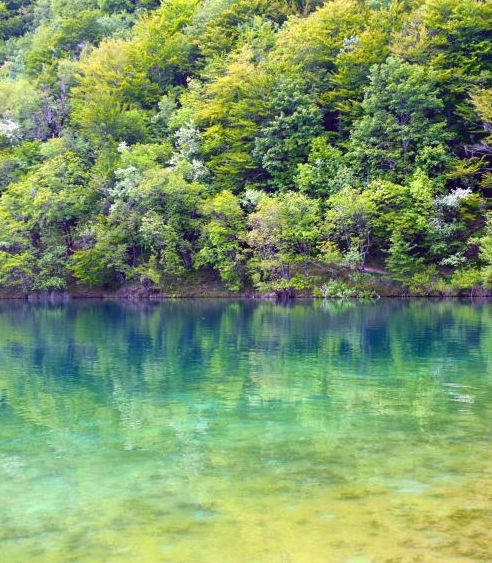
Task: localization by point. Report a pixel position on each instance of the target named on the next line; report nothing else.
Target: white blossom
(126, 186)
(123, 147)
(188, 145)
(187, 140)
(349, 43)
(10, 129)
(454, 198)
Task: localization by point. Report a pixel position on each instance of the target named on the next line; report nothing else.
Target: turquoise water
(217, 431)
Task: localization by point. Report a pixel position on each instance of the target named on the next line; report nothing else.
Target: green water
(241, 432)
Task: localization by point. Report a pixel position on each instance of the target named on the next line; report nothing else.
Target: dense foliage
(283, 145)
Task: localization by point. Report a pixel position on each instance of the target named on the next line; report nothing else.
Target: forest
(338, 149)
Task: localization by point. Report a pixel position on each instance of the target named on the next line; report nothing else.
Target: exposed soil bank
(373, 282)
(139, 293)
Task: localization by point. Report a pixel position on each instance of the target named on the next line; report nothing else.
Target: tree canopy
(272, 144)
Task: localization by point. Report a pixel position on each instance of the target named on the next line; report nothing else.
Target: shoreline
(65, 297)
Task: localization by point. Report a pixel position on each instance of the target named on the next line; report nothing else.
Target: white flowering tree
(10, 131)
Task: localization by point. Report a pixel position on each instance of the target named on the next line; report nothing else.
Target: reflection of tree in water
(61, 363)
(192, 413)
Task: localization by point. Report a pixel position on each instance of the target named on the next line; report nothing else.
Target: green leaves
(284, 140)
(349, 223)
(401, 117)
(486, 252)
(230, 110)
(283, 235)
(325, 171)
(106, 99)
(267, 140)
(223, 235)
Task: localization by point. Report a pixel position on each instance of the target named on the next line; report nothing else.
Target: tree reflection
(139, 364)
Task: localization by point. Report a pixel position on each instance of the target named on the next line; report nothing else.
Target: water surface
(242, 432)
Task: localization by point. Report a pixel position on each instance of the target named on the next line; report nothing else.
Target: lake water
(244, 432)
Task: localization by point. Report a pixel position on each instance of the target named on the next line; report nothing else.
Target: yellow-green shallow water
(210, 432)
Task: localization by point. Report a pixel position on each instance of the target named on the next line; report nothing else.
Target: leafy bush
(338, 289)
